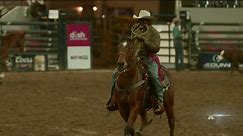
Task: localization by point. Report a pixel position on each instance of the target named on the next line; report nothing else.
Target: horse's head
(127, 52)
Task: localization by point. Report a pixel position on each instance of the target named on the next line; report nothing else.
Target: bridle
(137, 30)
(134, 86)
(133, 59)
(125, 68)
(129, 59)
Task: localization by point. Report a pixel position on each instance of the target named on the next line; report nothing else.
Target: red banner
(78, 34)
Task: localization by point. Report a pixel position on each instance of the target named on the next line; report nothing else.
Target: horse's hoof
(112, 107)
(138, 134)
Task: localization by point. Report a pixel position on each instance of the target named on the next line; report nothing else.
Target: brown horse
(132, 89)
(234, 56)
(13, 42)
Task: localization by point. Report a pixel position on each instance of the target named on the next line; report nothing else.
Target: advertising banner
(78, 35)
(78, 46)
(79, 58)
(29, 62)
(211, 61)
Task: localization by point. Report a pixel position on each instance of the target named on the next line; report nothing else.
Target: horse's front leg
(129, 129)
(169, 104)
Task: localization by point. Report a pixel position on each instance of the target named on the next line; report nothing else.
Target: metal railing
(8, 5)
(41, 38)
(208, 39)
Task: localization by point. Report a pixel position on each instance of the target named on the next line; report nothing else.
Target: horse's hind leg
(169, 104)
(145, 122)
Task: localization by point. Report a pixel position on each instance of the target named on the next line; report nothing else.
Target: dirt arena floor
(71, 103)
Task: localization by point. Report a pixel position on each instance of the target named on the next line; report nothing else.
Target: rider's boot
(158, 107)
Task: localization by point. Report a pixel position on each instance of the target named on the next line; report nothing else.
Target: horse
(14, 41)
(132, 91)
(234, 56)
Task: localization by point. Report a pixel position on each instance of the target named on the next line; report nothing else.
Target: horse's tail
(20, 40)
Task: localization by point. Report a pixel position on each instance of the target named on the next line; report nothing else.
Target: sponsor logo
(215, 58)
(78, 36)
(21, 59)
(79, 57)
(216, 63)
(213, 65)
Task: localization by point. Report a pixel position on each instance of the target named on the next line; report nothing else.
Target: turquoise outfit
(179, 55)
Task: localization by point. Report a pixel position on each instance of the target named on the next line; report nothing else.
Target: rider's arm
(152, 40)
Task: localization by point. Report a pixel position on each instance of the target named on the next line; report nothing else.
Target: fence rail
(210, 38)
(49, 32)
(28, 23)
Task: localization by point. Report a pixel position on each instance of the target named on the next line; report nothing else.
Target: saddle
(161, 71)
(149, 98)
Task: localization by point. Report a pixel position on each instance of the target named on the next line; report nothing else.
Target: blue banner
(211, 61)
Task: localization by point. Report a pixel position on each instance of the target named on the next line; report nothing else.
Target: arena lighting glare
(221, 115)
(80, 9)
(103, 16)
(212, 116)
(95, 8)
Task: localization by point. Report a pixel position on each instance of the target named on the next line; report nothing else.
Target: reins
(125, 69)
(125, 91)
(136, 85)
(139, 30)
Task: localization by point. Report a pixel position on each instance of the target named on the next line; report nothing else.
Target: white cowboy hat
(144, 14)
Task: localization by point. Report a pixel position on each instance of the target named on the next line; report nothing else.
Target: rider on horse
(149, 48)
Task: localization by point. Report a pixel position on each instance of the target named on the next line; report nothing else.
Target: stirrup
(158, 109)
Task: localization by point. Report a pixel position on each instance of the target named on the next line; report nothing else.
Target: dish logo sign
(78, 35)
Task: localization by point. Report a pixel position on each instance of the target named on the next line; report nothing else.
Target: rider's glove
(142, 38)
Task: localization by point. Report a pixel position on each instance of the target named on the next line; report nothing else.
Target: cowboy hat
(144, 14)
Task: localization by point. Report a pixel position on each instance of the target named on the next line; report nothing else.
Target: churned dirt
(71, 103)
